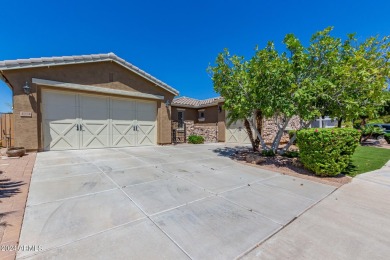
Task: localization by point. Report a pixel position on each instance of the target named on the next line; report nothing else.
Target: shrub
(328, 151)
(291, 154)
(386, 119)
(267, 153)
(195, 139)
(357, 124)
(387, 137)
(369, 131)
(376, 121)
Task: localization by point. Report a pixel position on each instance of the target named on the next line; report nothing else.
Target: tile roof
(64, 60)
(196, 103)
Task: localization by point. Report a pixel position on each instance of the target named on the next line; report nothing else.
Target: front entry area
(81, 121)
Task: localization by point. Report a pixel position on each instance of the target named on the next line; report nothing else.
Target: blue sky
(174, 41)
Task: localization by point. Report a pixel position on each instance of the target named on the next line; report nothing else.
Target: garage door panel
(236, 133)
(146, 134)
(232, 136)
(123, 110)
(123, 134)
(94, 108)
(123, 114)
(60, 135)
(95, 134)
(146, 112)
(146, 123)
(60, 114)
(94, 114)
(74, 121)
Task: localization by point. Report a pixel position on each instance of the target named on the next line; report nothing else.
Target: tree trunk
(363, 123)
(278, 137)
(250, 134)
(339, 122)
(262, 143)
(259, 125)
(285, 149)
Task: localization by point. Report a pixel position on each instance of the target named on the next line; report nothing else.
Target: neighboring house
(97, 101)
(324, 122)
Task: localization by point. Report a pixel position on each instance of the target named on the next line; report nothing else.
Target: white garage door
(236, 133)
(78, 121)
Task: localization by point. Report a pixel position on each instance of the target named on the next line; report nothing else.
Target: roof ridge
(64, 56)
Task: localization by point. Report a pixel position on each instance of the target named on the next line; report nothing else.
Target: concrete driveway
(171, 202)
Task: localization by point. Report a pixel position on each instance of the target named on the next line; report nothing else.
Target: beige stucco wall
(28, 131)
(210, 114)
(189, 113)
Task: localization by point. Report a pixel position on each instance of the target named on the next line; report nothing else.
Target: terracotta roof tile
(186, 101)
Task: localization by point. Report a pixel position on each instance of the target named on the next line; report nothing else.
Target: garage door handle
(81, 127)
(77, 127)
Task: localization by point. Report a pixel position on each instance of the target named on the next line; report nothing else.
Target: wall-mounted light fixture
(26, 89)
(219, 109)
(167, 103)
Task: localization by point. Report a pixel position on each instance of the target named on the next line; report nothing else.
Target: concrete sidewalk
(352, 223)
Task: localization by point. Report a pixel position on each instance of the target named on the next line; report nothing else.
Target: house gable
(106, 69)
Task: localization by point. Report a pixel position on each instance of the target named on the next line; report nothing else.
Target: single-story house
(97, 101)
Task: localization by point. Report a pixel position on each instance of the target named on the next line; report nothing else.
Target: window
(180, 119)
(201, 115)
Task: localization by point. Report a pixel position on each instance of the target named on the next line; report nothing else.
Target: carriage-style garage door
(79, 121)
(236, 133)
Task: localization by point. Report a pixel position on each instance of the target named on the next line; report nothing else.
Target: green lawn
(366, 159)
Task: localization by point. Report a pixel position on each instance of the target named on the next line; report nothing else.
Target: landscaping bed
(289, 166)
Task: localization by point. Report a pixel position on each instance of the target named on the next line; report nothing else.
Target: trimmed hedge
(387, 137)
(327, 151)
(195, 139)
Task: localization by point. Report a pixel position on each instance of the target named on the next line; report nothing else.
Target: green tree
(350, 79)
(340, 79)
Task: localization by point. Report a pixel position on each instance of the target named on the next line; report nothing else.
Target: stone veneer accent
(270, 129)
(209, 131)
